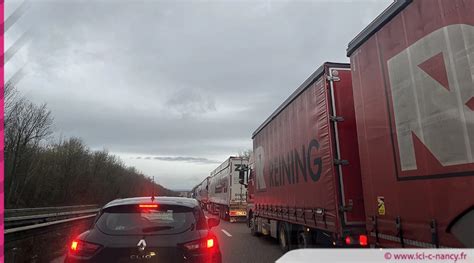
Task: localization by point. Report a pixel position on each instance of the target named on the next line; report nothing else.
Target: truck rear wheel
(253, 226)
(303, 238)
(221, 213)
(283, 237)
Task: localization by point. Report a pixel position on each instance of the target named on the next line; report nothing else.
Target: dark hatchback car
(144, 229)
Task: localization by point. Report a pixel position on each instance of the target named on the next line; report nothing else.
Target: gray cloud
(176, 78)
(190, 102)
(182, 159)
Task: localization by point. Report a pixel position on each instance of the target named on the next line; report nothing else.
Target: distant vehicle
(201, 193)
(227, 197)
(381, 152)
(183, 193)
(164, 229)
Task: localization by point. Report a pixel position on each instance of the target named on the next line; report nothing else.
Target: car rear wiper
(156, 228)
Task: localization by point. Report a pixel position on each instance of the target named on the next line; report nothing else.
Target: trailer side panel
(414, 103)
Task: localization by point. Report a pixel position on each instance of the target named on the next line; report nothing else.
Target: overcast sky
(175, 87)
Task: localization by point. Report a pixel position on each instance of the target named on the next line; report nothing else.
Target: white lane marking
(227, 233)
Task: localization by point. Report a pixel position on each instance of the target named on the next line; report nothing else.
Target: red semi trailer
(413, 71)
(391, 153)
(305, 187)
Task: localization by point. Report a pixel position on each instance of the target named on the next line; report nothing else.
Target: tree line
(41, 171)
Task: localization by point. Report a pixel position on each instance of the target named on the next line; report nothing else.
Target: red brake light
(210, 243)
(348, 240)
(148, 206)
(74, 245)
(363, 240)
(82, 248)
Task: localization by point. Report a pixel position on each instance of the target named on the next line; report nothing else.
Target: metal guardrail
(26, 222)
(16, 221)
(35, 226)
(21, 218)
(36, 210)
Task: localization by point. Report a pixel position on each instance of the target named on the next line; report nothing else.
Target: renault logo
(141, 245)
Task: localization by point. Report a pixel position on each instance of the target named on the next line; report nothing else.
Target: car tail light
(206, 243)
(74, 245)
(83, 248)
(210, 243)
(348, 240)
(363, 240)
(233, 213)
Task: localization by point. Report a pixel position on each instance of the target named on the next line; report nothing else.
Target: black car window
(136, 220)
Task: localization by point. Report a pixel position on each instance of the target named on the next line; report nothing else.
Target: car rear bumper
(197, 258)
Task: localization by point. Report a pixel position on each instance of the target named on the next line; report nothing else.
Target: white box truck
(227, 197)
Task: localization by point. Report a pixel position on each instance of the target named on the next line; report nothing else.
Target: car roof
(183, 201)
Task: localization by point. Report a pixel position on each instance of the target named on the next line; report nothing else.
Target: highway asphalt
(238, 245)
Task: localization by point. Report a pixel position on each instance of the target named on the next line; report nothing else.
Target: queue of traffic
(221, 193)
(378, 152)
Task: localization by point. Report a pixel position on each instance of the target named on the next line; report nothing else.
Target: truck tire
(303, 238)
(221, 213)
(253, 226)
(283, 237)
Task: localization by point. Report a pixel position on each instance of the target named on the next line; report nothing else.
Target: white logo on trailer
(437, 108)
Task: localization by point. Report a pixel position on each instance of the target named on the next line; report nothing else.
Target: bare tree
(26, 124)
(42, 173)
(11, 97)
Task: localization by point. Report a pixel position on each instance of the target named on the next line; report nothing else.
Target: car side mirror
(212, 222)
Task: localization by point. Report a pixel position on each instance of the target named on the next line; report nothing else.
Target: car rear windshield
(160, 220)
